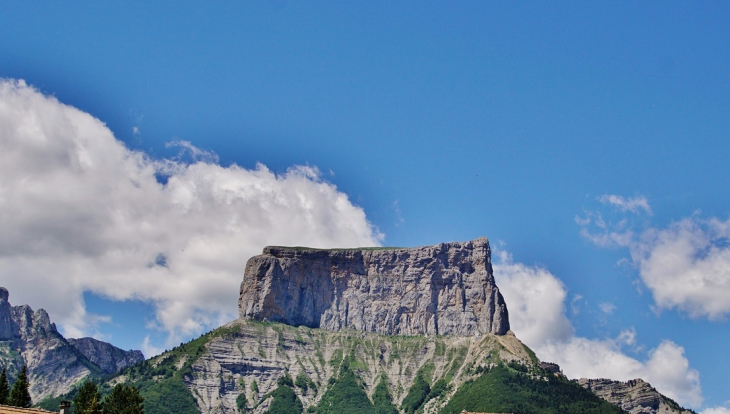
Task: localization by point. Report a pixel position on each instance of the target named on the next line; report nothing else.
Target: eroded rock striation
(445, 289)
(245, 352)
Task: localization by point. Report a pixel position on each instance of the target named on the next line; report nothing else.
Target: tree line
(18, 395)
(123, 399)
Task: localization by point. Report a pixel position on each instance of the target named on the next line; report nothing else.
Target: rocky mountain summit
(54, 364)
(634, 396)
(444, 289)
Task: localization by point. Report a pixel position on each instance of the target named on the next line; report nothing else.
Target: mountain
(54, 364)
(373, 330)
(383, 330)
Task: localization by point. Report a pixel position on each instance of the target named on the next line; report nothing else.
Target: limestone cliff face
(445, 289)
(29, 338)
(635, 396)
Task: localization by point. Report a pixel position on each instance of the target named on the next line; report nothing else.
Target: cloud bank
(80, 212)
(536, 301)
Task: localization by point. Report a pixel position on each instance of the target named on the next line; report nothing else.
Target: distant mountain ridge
(54, 363)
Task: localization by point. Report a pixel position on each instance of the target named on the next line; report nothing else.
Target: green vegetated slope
(504, 389)
(283, 399)
(347, 394)
(259, 367)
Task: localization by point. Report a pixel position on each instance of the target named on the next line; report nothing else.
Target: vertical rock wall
(445, 289)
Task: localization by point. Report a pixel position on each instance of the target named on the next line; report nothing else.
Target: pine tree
(94, 407)
(4, 388)
(19, 395)
(88, 399)
(123, 399)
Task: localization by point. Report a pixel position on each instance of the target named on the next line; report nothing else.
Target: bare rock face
(105, 355)
(634, 396)
(29, 338)
(6, 323)
(445, 289)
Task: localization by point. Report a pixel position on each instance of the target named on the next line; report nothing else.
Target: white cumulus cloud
(536, 302)
(686, 265)
(80, 212)
(149, 350)
(535, 299)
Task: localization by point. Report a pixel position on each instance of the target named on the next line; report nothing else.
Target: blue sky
(437, 121)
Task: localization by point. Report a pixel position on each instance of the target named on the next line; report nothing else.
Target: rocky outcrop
(445, 289)
(29, 338)
(20, 322)
(6, 320)
(105, 355)
(634, 396)
(551, 367)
